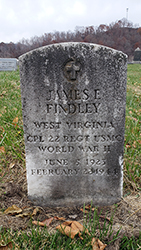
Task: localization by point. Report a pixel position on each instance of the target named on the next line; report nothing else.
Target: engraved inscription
(90, 124)
(74, 94)
(95, 161)
(71, 108)
(74, 171)
(75, 101)
(53, 162)
(47, 125)
(75, 125)
(102, 138)
(56, 149)
(57, 171)
(66, 162)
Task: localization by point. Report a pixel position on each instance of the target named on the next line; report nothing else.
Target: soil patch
(127, 213)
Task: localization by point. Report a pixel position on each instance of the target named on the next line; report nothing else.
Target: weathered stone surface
(8, 64)
(73, 98)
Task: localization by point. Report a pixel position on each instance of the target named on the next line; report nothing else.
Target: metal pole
(127, 13)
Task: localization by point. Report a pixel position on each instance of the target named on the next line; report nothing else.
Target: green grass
(11, 133)
(132, 152)
(36, 238)
(39, 238)
(12, 152)
(130, 243)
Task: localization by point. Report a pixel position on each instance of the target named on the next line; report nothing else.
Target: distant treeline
(121, 35)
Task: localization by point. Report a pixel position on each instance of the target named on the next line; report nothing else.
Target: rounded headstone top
(137, 49)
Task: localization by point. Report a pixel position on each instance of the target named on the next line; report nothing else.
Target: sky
(28, 18)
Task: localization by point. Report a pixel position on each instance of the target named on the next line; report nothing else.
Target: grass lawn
(12, 167)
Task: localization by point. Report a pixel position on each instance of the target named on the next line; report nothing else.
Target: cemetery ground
(118, 226)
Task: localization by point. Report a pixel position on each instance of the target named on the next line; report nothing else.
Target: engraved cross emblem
(71, 70)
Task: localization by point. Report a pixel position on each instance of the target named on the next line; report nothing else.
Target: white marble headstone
(8, 64)
(73, 99)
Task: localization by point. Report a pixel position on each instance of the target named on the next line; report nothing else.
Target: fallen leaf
(2, 129)
(59, 218)
(101, 245)
(135, 119)
(7, 247)
(3, 92)
(93, 208)
(76, 224)
(67, 230)
(25, 207)
(67, 222)
(71, 228)
(35, 222)
(46, 222)
(15, 109)
(24, 214)
(84, 211)
(134, 144)
(88, 207)
(2, 149)
(97, 244)
(27, 211)
(13, 210)
(11, 165)
(94, 244)
(35, 211)
(103, 217)
(73, 216)
(15, 120)
(80, 227)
